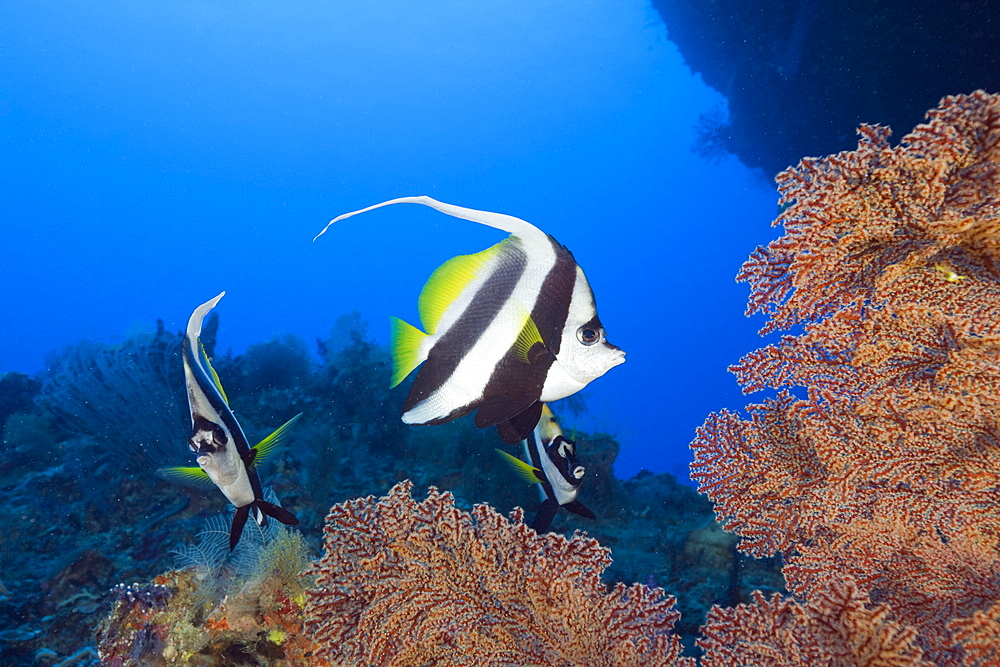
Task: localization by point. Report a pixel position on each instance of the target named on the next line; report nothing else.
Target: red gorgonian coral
(404, 583)
(877, 464)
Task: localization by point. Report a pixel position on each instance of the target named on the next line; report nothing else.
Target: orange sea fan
(405, 583)
(835, 628)
(880, 458)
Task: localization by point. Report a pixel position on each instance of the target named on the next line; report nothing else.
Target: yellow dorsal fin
(407, 341)
(211, 370)
(525, 471)
(447, 283)
(528, 337)
(548, 427)
(191, 476)
(277, 438)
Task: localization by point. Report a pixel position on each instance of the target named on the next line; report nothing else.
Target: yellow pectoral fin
(407, 341)
(527, 340)
(276, 439)
(190, 476)
(525, 471)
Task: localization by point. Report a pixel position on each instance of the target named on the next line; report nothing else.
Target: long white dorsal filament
(507, 223)
(194, 322)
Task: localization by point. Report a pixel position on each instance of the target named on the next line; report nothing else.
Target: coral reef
(403, 583)
(77, 497)
(400, 583)
(871, 474)
(172, 621)
(877, 464)
(259, 625)
(835, 627)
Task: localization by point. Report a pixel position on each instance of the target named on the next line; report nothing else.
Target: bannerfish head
(563, 454)
(584, 351)
(562, 468)
(207, 437)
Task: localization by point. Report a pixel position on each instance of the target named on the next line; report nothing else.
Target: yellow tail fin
(407, 341)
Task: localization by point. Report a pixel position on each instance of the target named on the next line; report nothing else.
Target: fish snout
(618, 355)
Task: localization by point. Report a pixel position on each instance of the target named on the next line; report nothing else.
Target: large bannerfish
(507, 329)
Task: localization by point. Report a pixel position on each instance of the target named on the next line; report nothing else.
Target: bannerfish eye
(588, 335)
(578, 472)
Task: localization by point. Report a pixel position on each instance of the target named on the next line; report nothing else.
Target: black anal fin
(279, 513)
(496, 409)
(576, 507)
(239, 520)
(520, 426)
(545, 515)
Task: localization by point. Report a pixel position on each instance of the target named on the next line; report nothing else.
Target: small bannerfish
(507, 329)
(554, 466)
(225, 458)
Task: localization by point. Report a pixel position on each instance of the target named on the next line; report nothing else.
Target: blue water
(157, 153)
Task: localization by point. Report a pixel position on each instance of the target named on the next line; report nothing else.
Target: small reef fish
(507, 329)
(554, 466)
(225, 458)
(949, 273)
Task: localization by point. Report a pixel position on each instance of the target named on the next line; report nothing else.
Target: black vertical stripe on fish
(551, 310)
(515, 386)
(455, 343)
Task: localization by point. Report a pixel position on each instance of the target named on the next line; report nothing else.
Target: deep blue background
(156, 153)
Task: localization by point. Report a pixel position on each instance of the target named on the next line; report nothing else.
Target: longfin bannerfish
(554, 466)
(505, 330)
(225, 458)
